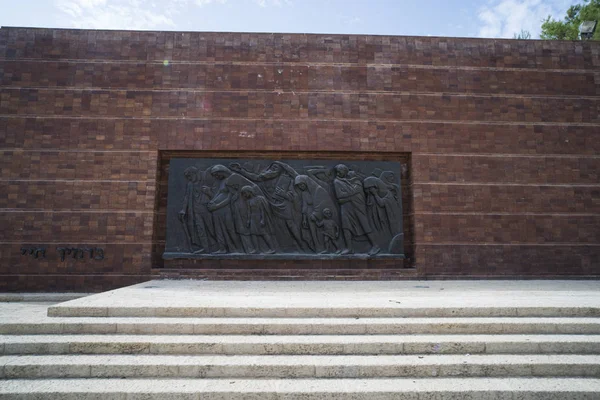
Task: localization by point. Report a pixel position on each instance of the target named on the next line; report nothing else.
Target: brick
(498, 139)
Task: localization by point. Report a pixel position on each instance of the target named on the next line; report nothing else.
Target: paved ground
(390, 295)
(407, 294)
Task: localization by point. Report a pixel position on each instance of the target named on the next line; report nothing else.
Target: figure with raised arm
(277, 184)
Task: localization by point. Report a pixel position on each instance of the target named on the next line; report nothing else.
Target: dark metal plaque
(289, 209)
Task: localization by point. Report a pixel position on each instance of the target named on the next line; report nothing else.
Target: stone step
(387, 310)
(303, 389)
(303, 326)
(300, 344)
(151, 366)
(40, 297)
(398, 299)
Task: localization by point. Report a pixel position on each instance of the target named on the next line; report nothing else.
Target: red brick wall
(500, 137)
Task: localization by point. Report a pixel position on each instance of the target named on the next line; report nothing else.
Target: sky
(458, 18)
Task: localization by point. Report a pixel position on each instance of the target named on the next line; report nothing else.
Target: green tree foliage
(568, 29)
(522, 35)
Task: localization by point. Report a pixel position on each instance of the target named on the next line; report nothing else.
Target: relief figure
(239, 211)
(277, 184)
(350, 195)
(259, 222)
(219, 206)
(394, 201)
(330, 231)
(194, 215)
(314, 200)
(381, 207)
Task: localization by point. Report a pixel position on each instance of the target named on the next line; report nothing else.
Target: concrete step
(303, 326)
(303, 389)
(151, 366)
(385, 310)
(40, 297)
(408, 299)
(300, 344)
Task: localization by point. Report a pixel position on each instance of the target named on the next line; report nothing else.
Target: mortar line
(414, 153)
(549, 214)
(506, 155)
(78, 211)
(524, 244)
(96, 243)
(370, 121)
(78, 180)
(567, 185)
(50, 150)
(310, 64)
(303, 91)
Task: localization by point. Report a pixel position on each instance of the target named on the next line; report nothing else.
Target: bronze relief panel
(230, 208)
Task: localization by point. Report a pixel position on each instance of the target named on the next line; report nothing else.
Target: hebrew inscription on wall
(223, 208)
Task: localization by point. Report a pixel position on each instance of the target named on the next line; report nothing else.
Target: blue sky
(463, 18)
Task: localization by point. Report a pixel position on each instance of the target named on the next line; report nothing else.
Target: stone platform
(308, 340)
(188, 298)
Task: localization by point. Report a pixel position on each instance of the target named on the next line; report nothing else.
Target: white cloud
(114, 14)
(201, 3)
(136, 14)
(91, 3)
(278, 3)
(351, 21)
(504, 18)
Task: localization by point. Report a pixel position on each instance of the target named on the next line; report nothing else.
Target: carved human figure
(381, 206)
(351, 197)
(220, 207)
(239, 211)
(277, 184)
(259, 221)
(194, 215)
(314, 200)
(389, 179)
(330, 231)
(394, 205)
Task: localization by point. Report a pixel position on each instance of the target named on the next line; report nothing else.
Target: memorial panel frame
(176, 253)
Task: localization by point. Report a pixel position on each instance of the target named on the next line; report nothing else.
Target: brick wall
(500, 137)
